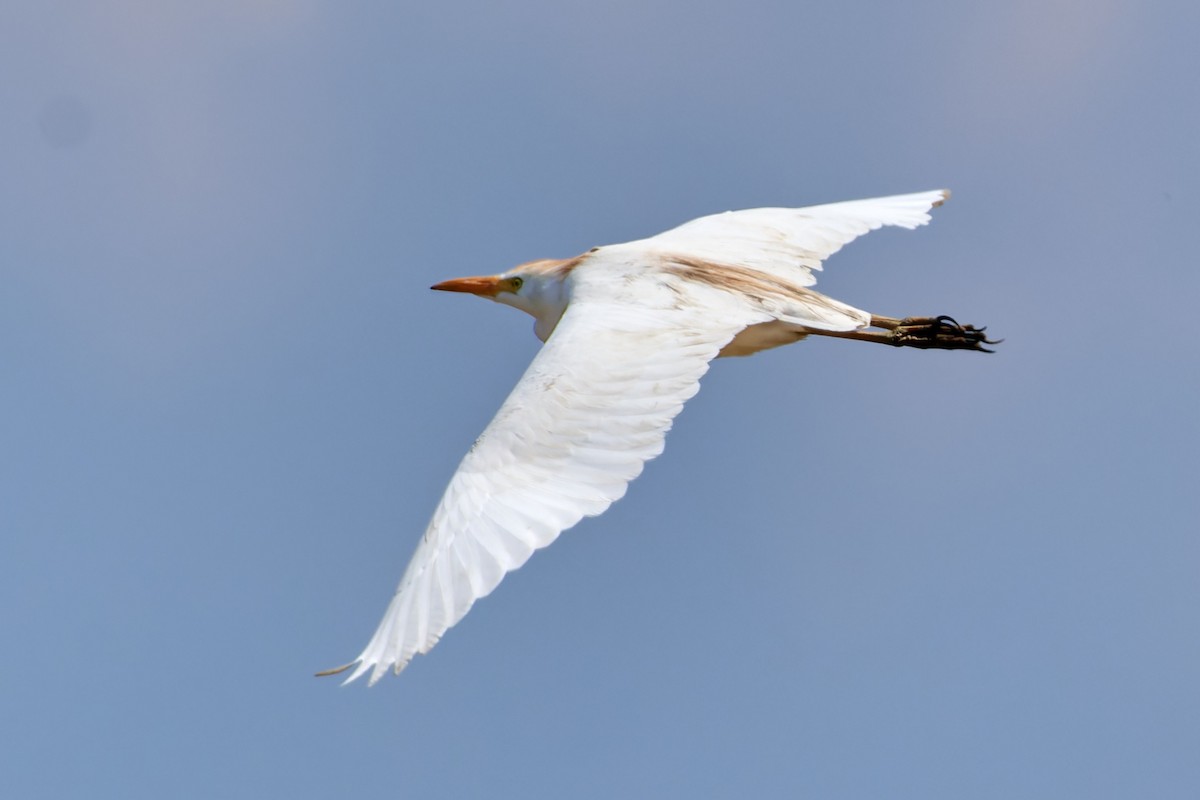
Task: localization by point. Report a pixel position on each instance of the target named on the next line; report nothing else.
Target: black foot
(940, 333)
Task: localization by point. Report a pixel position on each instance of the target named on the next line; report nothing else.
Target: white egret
(629, 329)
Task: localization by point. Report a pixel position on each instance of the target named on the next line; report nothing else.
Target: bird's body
(629, 329)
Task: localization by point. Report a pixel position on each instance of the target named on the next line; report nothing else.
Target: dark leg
(926, 333)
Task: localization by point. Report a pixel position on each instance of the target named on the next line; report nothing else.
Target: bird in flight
(629, 329)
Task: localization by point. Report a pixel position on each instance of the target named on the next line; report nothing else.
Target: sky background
(229, 402)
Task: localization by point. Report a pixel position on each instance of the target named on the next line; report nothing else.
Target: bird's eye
(516, 283)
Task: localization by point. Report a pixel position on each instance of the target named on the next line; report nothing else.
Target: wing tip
(353, 676)
(945, 195)
(361, 667)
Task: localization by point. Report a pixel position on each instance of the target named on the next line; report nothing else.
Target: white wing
(592, 408)
(790, 243)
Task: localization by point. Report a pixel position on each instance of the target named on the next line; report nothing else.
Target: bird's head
(537, 288)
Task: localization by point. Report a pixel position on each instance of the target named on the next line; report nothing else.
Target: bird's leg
(942, 332)
(926, 333)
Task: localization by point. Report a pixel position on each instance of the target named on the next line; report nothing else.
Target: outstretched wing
(598, 399)
(592, 408)
(790, 243)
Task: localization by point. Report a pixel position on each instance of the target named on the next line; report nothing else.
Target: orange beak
(484, 286)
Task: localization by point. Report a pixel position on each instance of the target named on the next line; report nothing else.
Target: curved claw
(942, 333)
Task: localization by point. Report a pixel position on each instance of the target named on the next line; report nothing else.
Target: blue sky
(230, 401)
